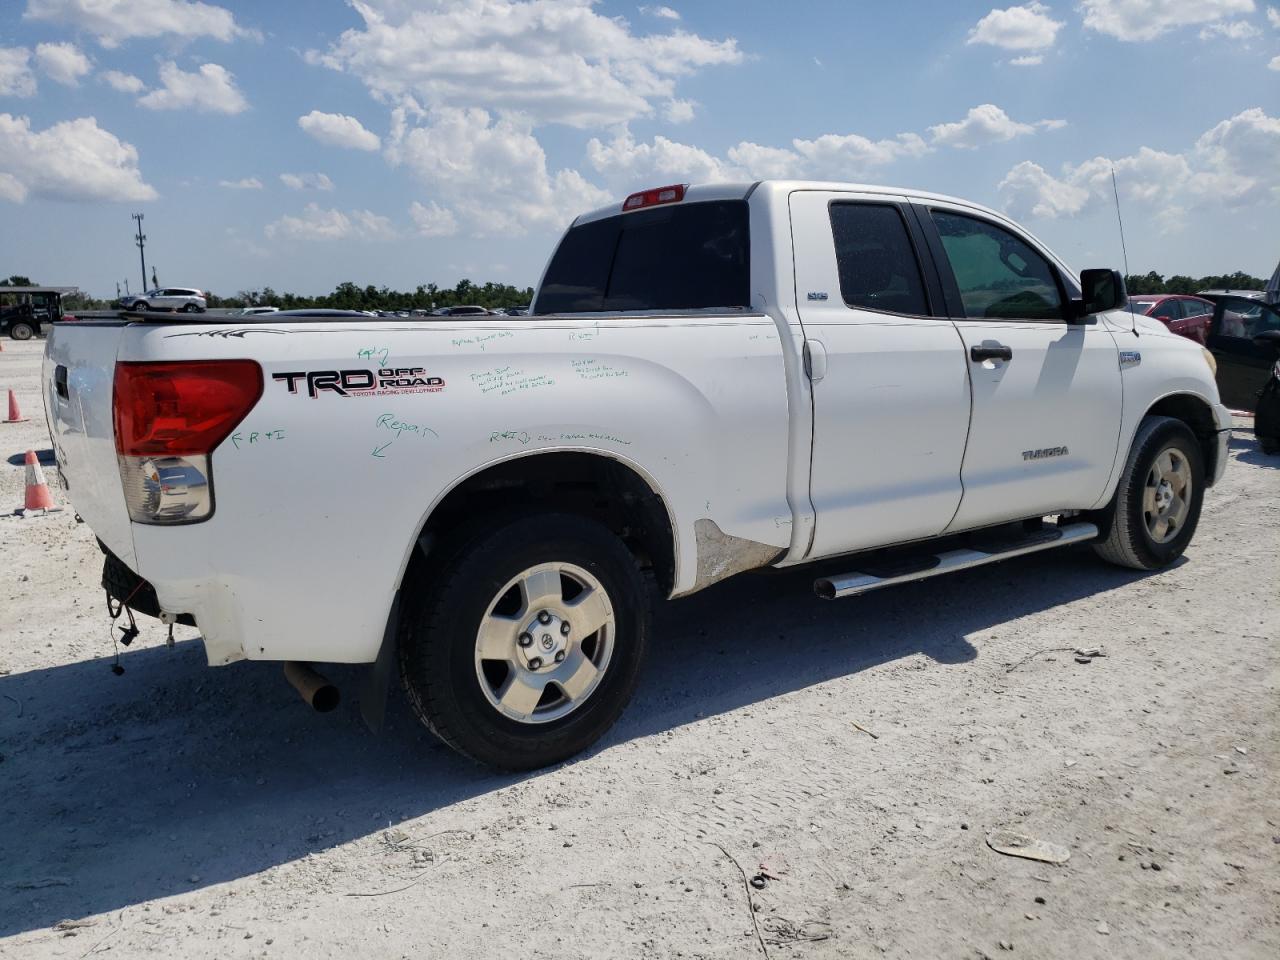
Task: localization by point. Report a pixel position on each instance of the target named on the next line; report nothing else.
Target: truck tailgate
(79, 367)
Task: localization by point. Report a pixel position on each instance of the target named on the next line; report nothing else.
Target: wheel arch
(590, 482)
(1197, 414)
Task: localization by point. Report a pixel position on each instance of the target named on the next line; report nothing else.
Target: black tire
(1129, 541)
(438, 636)
(190, 308)
(21, 330)
(141, 305)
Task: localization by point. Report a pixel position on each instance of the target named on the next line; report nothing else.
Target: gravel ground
(861, 750)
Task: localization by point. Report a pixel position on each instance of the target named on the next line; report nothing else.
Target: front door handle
(990, 351)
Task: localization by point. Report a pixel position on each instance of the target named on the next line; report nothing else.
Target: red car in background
(1188, 316)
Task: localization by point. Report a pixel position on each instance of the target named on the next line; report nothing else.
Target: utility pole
(141, 240)
(126, 287)
(117, 289)
(155, 284)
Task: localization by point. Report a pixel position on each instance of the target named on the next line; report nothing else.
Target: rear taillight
(169, 417)
(654, 197)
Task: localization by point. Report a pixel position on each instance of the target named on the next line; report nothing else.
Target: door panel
(1045, 423)
(891, 410)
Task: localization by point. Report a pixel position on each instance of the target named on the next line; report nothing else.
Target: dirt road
(862, 750)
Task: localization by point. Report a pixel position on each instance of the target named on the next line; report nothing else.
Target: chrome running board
(852, 584)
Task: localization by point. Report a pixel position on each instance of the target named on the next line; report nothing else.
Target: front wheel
(525, 648)
(141, 306)
(1154, 513)
(21, 331)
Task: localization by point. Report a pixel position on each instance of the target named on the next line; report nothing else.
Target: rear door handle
(990, 351)
(60, 381)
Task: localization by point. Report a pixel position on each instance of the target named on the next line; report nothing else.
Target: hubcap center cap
(1164, 495)
(550, 641)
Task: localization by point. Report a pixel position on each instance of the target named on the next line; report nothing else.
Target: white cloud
(1273, 17)
(306, 181)
(247, 183)
(1137, 20)
(16, 78)
(851, 156)
(1034, 60)
(433, 220)
(1231, 29)
(1028, 27)
(339, 130)
(1028, 189)
(628, 165)
(317, 223)
(982, 125)
(71, 160)
(495, 170)
(664, 13)
(1274, 64)
(551, 61)
(112, 21)
(679, 111)
(209, 89)
(124, 82)
(62, 63)
(1233, 164)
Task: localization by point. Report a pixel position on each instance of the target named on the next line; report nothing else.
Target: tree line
(1156, 283)
(345, 296)
(349, 296)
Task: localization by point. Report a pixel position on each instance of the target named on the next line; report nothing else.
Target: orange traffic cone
(15, 415)
(38, 495)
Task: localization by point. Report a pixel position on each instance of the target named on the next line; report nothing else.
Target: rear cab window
(693, 256)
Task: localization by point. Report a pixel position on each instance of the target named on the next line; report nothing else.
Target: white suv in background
(186, 299)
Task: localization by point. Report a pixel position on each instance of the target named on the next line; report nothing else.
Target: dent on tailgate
(81, 427)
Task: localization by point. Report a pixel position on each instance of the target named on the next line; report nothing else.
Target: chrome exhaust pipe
(314, 688)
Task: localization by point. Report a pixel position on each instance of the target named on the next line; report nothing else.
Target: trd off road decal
(363, 383)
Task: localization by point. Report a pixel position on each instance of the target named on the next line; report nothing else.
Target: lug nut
(535, 663)
(544, 617)
(560, 657)
(564, 628)
(525, 640)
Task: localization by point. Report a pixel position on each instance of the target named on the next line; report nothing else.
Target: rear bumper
(126, 587)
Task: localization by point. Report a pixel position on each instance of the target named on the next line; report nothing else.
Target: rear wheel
(190, 308)
(21, 330)
(1157, 503)
(526, 644)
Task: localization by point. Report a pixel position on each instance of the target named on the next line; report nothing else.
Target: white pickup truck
(711, 379)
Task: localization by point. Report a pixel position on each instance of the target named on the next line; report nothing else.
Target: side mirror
(1100, 291)
(1269, 339)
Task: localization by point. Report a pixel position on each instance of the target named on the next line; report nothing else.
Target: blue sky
(402, 142)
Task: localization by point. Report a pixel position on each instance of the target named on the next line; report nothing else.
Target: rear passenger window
(1000, 277)
(877, 263)
(1168, 310)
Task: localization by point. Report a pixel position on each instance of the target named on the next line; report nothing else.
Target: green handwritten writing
(388, 421)
(255, 436)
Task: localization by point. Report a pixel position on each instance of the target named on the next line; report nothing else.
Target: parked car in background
(24, 310)
(467, 311)
(1185, 315)
(186, 299)
(1243, 365)
(520, 311)
(257, 311)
